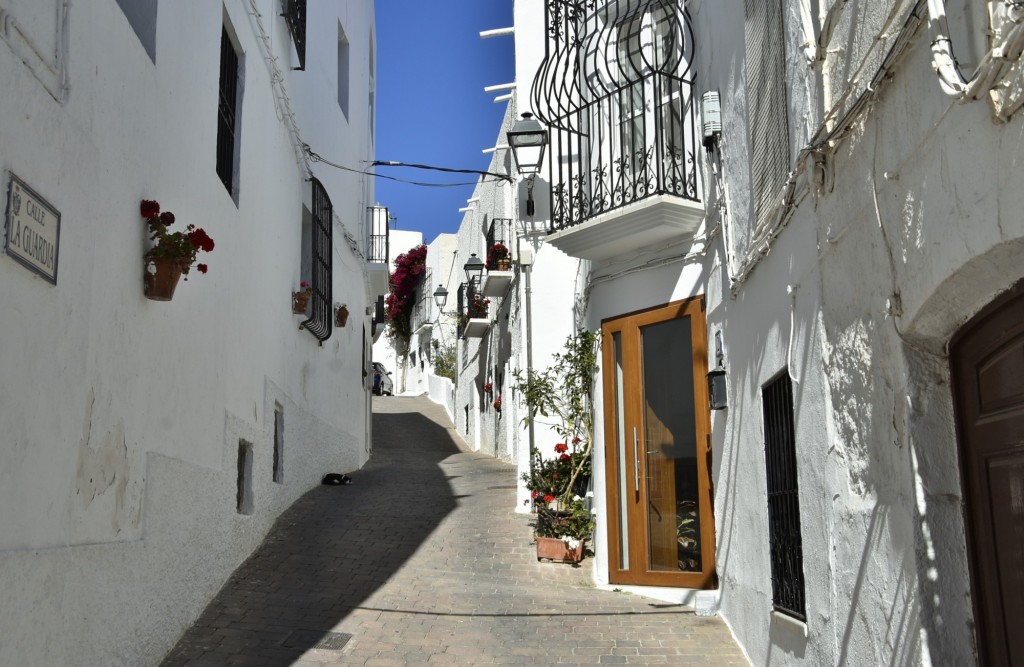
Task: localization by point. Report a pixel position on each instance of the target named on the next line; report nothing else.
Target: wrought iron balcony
(616, 91)
(499, 276)
(378, 248)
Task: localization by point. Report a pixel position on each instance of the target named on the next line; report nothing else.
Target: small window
(784, 536)
(343, 71)
(141, 15)
(295, 16)
(243, 494)
(278, 444)
(227, 114)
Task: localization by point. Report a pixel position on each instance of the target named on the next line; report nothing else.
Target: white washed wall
(121, 416)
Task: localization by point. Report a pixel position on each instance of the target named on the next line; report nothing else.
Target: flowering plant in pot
(561, 397)
(498, 258)
(172, 254)
(300, 299)
(497, 403)
(341, 315)
(478, 306)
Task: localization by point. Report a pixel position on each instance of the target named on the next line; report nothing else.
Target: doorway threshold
(703, 603)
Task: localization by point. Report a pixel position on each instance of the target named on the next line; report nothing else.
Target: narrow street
(421, 560)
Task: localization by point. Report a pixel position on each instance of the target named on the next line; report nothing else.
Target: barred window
(295, 16)
(227, 115)
(318, 254)
(784, 535)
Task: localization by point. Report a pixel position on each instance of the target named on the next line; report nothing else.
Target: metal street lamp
(440, 296)
(528, 139)
(474, 269)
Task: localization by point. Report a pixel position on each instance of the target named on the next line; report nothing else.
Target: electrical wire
(394, 163)
(314, 157)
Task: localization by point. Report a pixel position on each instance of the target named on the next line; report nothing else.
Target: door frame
(693, 307)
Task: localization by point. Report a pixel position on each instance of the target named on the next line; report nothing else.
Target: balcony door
(657, 447)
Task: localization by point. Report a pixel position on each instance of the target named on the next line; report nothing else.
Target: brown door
(988, 371)
(657, 447)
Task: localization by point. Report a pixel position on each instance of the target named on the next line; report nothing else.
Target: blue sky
(431, 106)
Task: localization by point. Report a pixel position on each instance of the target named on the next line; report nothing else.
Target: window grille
(784, 536)
(379, 235)
(295, 16)
(319, 322)
(462, 312)
(227, 112)
(767, 105)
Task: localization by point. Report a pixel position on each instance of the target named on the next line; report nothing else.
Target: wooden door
(657, 447)
(988, 374)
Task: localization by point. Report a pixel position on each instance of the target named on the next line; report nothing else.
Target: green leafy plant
(182, 246)
(561, 396)
(444, 361)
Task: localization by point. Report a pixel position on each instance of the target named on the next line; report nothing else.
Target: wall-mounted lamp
(474, 269)
(440, 296)
(717, 394)
(528, 139)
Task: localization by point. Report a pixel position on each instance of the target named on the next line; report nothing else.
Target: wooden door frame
(693, 307)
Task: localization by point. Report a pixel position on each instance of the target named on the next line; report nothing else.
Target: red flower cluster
(180, 246)
(549, 498)
(565, 457)
(497, 403)
(561, 447)
(199, 238)
(487, 388)
(409, 269)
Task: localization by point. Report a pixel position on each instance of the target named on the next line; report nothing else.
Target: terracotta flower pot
(161, 277)
(553, 548)
(503, 264)
(300, 300)
(341, 317)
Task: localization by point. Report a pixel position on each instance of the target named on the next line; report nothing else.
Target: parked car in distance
(382, 384)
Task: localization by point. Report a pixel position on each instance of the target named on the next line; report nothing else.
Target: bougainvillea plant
(407, 276)
(183, 245)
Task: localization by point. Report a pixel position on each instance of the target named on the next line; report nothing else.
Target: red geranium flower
(564, 457)
(149, 208)
(535, 494)
(561, 447)
(549, 498)
(576, 441)
(167, 218)
(202, 268)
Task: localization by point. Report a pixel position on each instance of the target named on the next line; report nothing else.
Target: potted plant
(488, 388)
(562, 395)
(341, 315)
(478, 306)
(173, 254)
(497, 404)
(300, 299)
(498, 258)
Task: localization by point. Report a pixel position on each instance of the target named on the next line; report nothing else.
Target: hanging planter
(341, 315)
(173, 254)
(300, 299)
(161, 277)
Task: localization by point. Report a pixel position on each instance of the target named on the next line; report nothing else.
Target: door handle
(636, 465)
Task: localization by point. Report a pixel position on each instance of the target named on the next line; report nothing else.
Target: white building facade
(148, 446)
(836, 237)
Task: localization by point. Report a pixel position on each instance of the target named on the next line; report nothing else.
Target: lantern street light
(474, 269)
(440, 296)
(528, 139)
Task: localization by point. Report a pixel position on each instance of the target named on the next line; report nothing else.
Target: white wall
(122, 416)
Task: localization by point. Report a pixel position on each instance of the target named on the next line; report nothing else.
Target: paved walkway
(421, 561)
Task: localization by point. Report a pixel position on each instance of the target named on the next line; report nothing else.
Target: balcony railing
(378, 247)
(616, 91)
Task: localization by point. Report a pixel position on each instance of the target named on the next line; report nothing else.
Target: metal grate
(319, 322)
(461, 327)
(227, 112)
(783, 499)
(616, 90)
(500, 231)
(380, 244)
(295, 16)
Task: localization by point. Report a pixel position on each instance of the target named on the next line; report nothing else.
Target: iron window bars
(295, 16)
(784, 535)
(227, 111)
(500, 231)
(616, 91)
(380, 236)
(460, 329)
(319, 321)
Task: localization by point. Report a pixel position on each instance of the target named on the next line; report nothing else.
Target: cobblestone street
(421, 560)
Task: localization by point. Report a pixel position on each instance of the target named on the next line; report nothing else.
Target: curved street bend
(422, 561)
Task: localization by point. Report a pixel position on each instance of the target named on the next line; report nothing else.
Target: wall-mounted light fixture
(440, 296)
(717, 390)
(528, 139)
(474, 269)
